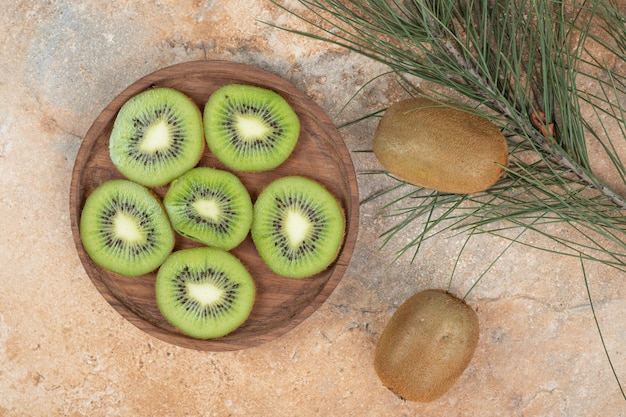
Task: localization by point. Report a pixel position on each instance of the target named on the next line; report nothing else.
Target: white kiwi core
(207, 208)
(251, 127)
(297, 227)
(156, 138)
(205, 293)
(126, 228)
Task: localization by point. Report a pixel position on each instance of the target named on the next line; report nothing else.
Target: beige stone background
(65, 352)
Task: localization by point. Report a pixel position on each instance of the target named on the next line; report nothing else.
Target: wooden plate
(281, 303)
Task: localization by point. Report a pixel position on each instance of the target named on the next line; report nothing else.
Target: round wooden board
(281, 303)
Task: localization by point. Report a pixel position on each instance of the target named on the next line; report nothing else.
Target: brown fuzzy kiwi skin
(426, 345)
(438, 147)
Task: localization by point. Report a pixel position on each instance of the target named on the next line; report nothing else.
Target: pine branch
(518, 62)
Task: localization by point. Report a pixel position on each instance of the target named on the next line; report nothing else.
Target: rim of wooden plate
(281, 303)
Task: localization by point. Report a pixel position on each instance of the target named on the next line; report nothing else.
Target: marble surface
(65, 352)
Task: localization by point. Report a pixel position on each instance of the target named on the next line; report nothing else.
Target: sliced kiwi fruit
(125, 229)
(426, 345)
(250, 128)
(298, 226)
(210, 206)
(435, 146)
(204, 292)
(157, 136)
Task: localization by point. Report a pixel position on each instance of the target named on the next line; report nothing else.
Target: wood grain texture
(281, 303)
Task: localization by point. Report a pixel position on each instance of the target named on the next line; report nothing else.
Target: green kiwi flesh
(204, 292)
(250, 128)
(125, 229)
(210, 206)
(426, 345)
(298, 226)
(157, 136)
(438, 147)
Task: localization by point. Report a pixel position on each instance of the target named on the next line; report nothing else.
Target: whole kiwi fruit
(426, 345)
(439, 147)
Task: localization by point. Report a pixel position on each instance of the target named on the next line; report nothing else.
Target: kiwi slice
(250, 128)
(157, 136)
(204, 292)
(124, 228)
(298, 226)
(210, 206)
